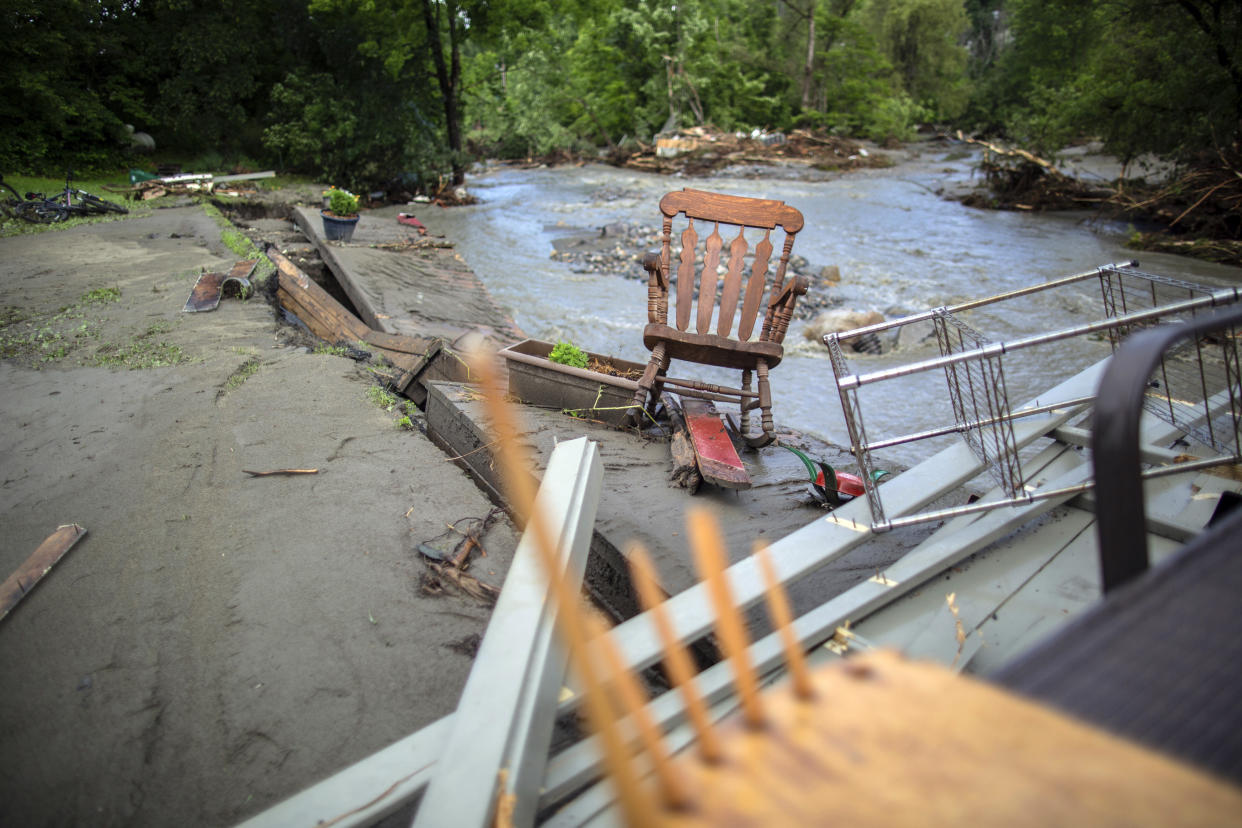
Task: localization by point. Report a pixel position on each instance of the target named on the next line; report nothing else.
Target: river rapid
(900, 245)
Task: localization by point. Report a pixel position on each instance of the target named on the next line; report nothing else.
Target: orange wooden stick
(782, 619)
(676, 659)
(708, 548)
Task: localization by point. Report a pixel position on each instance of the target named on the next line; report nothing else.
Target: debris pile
(703, 149)
(1020, 180)
(1201, 209)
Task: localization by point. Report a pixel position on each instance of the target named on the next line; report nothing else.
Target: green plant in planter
(343, 203)
(568, 354)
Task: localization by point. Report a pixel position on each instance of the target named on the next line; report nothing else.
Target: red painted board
(718, 460)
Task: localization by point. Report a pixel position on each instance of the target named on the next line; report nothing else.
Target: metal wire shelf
(1196, 388)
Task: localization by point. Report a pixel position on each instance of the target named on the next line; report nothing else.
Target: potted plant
(341, 217)
(578, 382)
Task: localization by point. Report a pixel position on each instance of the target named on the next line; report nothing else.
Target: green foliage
(382, 397)
(342, 202)
(566, 353)
(380, 92)
(101, 296)
(244, 372)
(1142, 75)
(331, 350)
(922, 40)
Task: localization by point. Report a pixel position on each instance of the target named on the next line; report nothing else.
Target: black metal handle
(1121, 524)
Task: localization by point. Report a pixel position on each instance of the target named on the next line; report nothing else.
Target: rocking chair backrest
(733, 212)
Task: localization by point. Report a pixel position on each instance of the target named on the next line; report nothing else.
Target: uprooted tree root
(1200, 211)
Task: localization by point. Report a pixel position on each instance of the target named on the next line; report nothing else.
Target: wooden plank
(718, 460)
(330, 321)
(40, 562)
(742, 210)
(327, 318)
(685, 473)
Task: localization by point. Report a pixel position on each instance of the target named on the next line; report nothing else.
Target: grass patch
(244, 372)
(241, 245)
(146, 350)
(100, 296)
(42, 338)
(138, 356)
(331, 350)
(382, 397)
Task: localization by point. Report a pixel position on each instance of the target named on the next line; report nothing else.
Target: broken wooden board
(718, 460)
(40, 562)
(685, 473)
(211, 286)
(418, 359)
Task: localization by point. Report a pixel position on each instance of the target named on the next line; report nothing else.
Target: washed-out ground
(217, 641)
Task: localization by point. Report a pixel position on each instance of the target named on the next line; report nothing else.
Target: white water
(901, 248)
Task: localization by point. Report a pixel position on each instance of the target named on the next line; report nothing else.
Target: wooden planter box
(535, 380)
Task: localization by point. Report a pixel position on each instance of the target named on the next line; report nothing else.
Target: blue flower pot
(338, 229)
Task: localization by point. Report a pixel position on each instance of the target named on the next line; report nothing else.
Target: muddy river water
(901, 247)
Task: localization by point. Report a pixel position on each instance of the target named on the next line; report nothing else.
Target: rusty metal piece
(211, 286)
(40, 562)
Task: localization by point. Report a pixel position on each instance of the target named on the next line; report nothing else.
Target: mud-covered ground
(217, 641)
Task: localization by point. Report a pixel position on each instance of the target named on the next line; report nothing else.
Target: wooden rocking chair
(719, 343)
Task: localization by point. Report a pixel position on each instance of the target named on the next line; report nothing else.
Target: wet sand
(216, 642)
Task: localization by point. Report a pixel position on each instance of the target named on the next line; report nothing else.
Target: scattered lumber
(40, 562)
(685, 472)
(417, 359)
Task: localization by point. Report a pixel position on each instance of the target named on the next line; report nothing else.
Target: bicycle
(71, 200)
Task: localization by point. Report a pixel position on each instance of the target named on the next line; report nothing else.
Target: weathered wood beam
(40, 562)
(329, 320)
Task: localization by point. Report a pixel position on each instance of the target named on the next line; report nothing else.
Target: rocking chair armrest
(789, 291)
(653, 263)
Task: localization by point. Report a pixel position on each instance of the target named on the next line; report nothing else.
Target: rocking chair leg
(765, 405)
(765, 401)
(647, 384)
(745, 417)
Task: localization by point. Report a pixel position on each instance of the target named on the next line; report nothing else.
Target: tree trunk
(449, 78)
(808, 70)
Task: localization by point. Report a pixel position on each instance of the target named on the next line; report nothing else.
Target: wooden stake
(782, 619)
(633, 703)
(709, 556)
(676, 659)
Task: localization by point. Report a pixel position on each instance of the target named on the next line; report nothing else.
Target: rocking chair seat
(711, 349)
